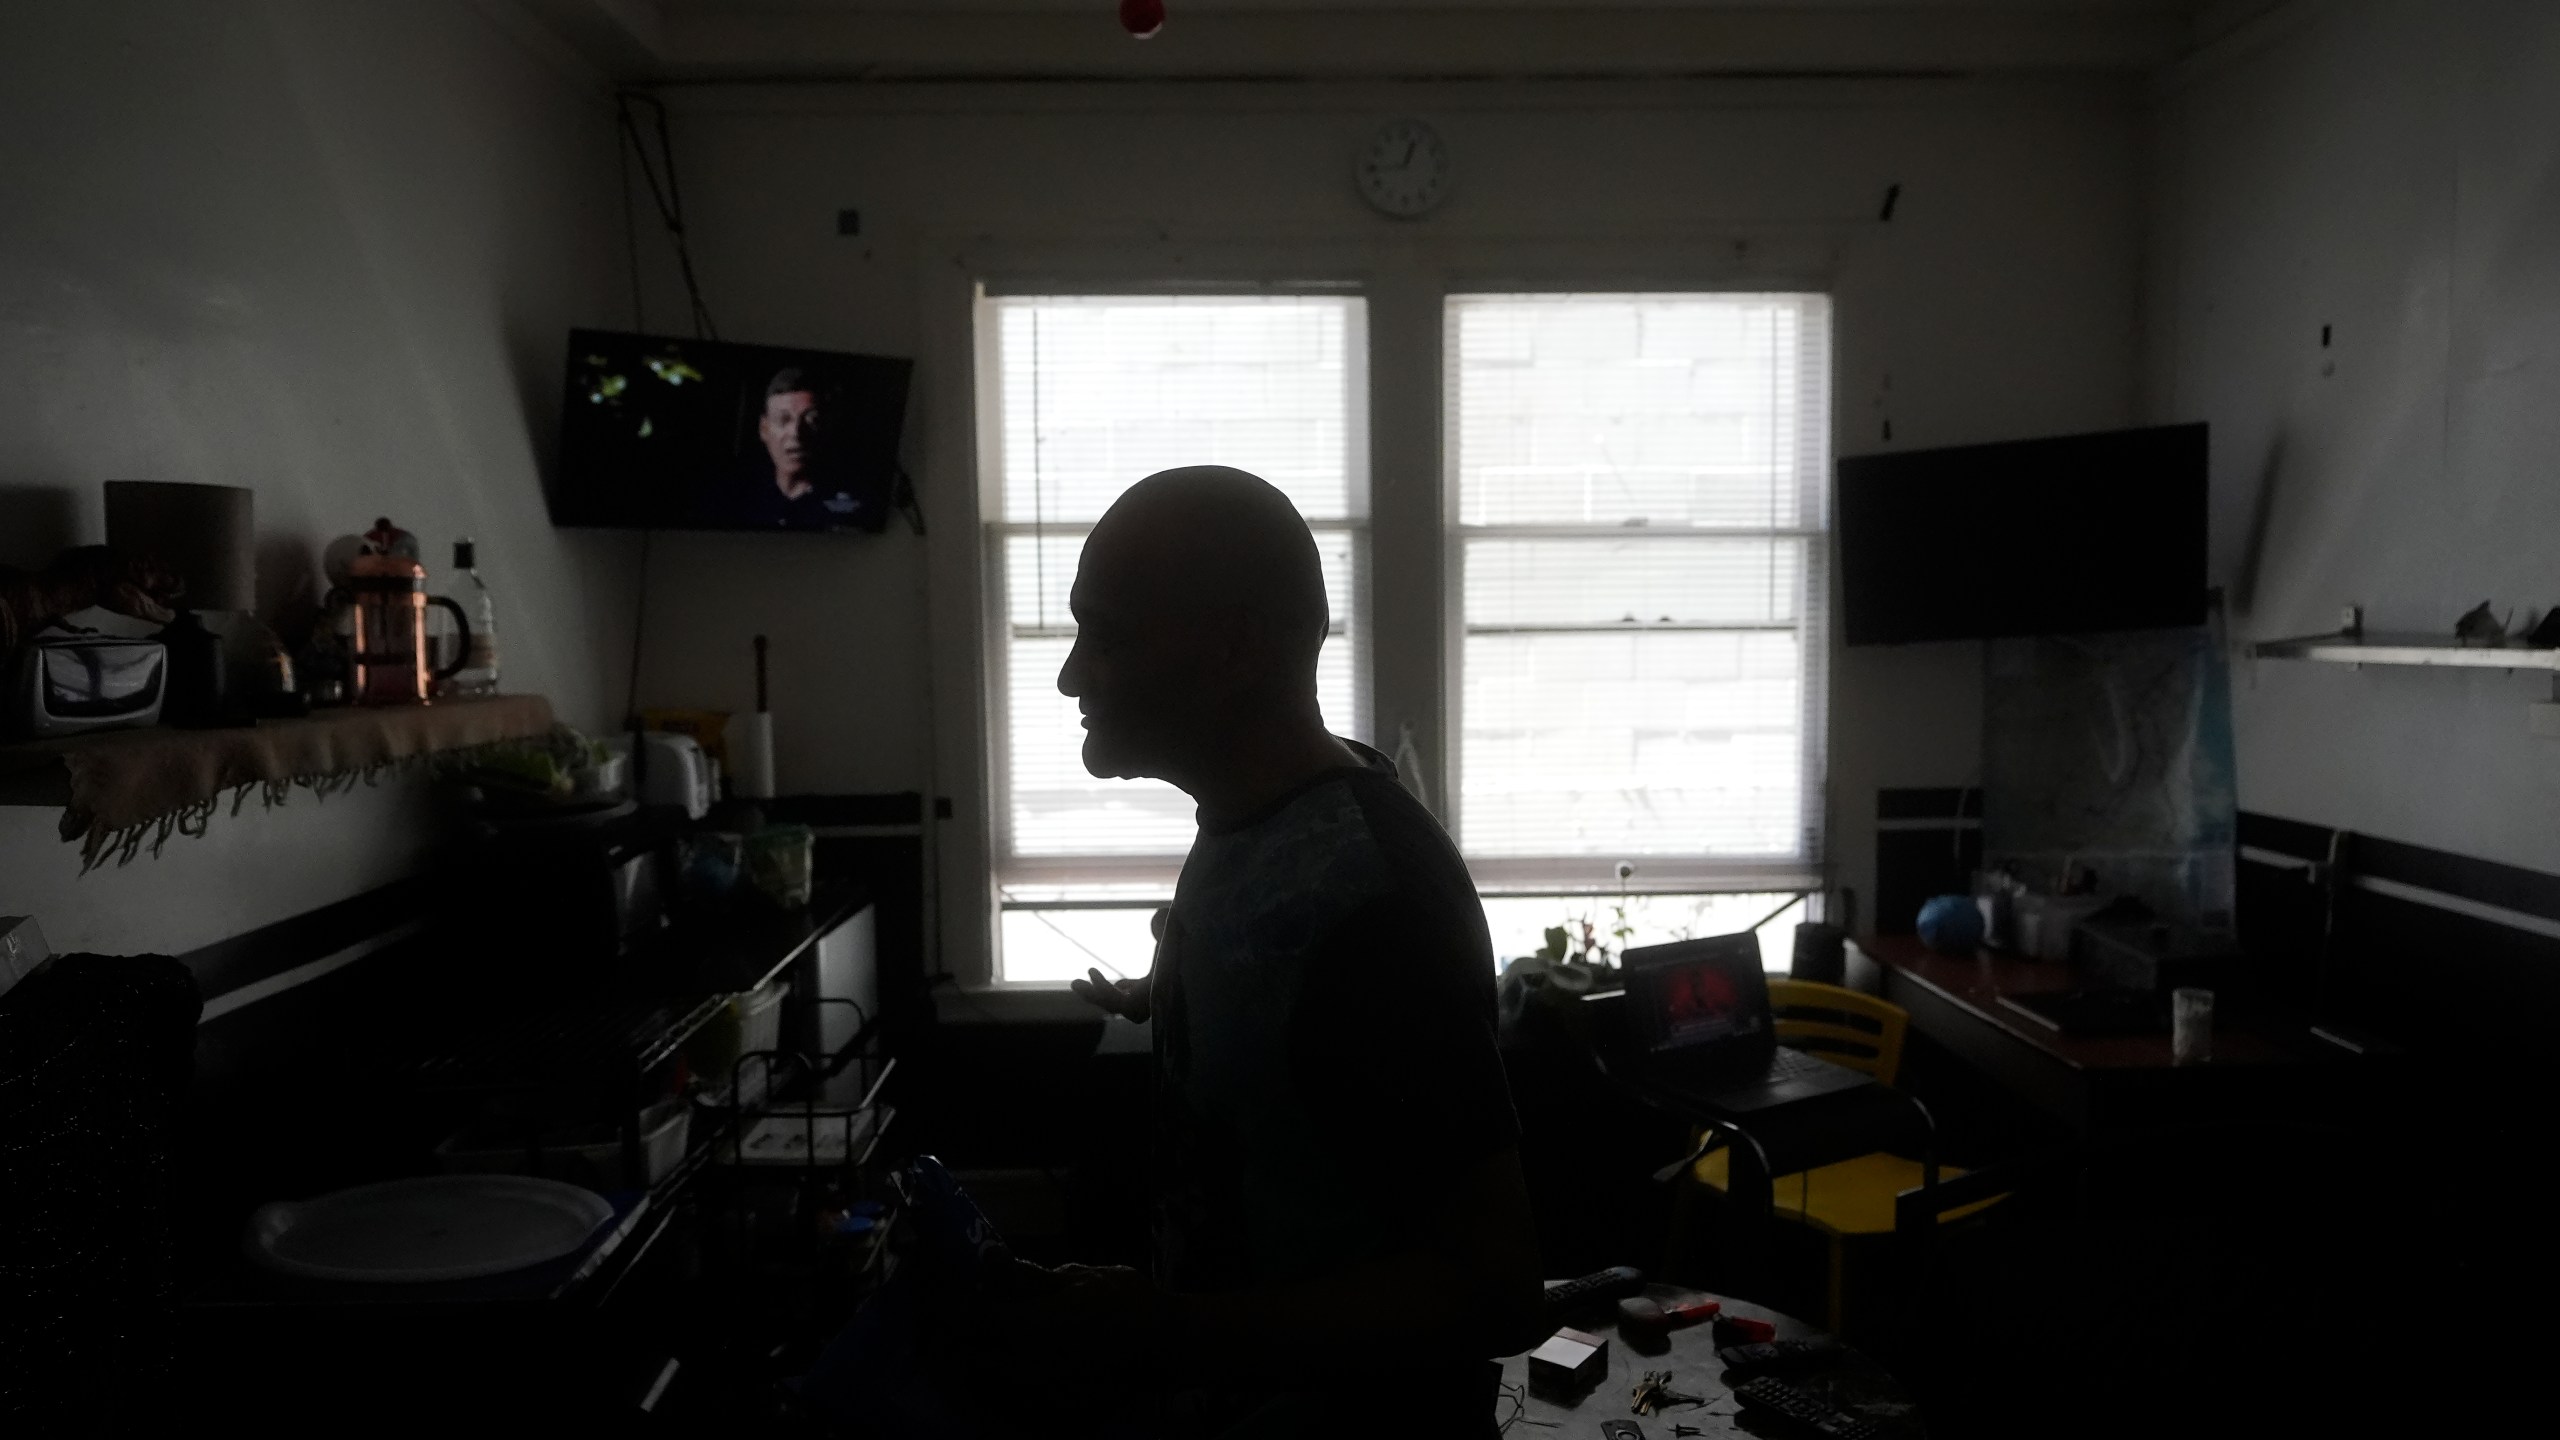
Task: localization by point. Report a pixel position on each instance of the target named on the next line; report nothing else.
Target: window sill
(1010, 1005)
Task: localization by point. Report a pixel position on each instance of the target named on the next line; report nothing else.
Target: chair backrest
(1846, 1027)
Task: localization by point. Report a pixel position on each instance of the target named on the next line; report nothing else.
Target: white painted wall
(2389, 169)
(2001, 302)
(329, 252)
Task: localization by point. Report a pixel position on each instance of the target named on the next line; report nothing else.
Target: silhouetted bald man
(1337, 1186)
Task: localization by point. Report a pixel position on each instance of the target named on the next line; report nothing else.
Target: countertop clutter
(475, 1090)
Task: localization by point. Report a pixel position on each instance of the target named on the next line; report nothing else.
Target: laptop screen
(1701, 996)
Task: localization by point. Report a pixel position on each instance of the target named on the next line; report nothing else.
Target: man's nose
(1071, 673)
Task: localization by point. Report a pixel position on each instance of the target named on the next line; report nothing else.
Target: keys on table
(1654, 1392)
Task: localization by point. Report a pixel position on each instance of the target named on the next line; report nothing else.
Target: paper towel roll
(751, 755)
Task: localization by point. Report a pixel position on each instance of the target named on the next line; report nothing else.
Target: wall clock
(1404, 169)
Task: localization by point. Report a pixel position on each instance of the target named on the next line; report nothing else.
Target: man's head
(792, 427)
(1199, 609)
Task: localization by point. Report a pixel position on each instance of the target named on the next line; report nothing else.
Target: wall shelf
(2373, 648)
(2352, 644)
(112, 782)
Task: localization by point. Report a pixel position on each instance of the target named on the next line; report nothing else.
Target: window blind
(1095, 393)
(1640, 487)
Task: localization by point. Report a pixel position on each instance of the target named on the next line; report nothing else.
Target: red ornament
(1142, 18)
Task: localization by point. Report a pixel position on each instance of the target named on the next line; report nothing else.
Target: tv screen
(666, 433)
(2035, 537)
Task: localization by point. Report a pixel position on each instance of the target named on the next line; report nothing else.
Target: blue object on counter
(1951, 924)
(712, 866)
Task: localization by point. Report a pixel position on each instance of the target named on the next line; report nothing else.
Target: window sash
(1037, 522)
(1780, 504)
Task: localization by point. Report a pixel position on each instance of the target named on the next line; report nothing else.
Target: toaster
(672, 770)
(63, 683)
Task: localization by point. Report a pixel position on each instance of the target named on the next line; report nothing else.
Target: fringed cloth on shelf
(134, 788)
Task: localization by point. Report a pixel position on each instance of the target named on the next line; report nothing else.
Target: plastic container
(599, 780)
(2041, 925)
(2191, 1025)
(779, 862)
(760, 1016)
(748, 1024)
(592, 1158)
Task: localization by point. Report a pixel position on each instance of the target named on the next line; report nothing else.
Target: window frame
(1413, 635)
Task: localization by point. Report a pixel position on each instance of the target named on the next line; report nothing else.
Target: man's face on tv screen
(793, 431)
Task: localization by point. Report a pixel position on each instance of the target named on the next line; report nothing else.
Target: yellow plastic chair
(1848, 1198)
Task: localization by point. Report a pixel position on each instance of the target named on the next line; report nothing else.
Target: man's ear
(1268, 658)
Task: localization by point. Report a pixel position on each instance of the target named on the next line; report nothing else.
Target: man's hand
(1117, 997)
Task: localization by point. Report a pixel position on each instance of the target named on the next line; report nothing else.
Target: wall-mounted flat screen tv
(659, 432)
(2034, 537)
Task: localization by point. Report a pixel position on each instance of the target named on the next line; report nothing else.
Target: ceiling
(1103, 9)
(1376, 39)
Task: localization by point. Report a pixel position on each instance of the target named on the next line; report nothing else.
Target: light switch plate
(2542, 717)
(22, 950)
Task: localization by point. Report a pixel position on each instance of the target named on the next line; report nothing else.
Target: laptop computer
(1698, 1013)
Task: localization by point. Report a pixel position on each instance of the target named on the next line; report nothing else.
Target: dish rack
(603, 1046)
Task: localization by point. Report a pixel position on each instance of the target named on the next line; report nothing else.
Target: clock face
(1405, 169)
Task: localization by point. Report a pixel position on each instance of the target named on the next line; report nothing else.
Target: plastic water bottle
(479, 673)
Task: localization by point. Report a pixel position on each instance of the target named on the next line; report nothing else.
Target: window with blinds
(1639, 574)
(1094, 393)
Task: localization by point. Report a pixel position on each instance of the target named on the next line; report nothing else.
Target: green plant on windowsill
(1575, 961)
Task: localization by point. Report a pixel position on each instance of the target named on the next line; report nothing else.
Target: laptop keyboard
(1789, 1064)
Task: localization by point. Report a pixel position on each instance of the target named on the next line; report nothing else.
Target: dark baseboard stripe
(217, 1006)
(2284, 837)
(1928, 803)
(2475, 886)
(262, 954)
(2481, 882)
(2513, 919)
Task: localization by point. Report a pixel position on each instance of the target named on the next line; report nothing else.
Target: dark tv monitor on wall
(659, 432)
(2034, 537)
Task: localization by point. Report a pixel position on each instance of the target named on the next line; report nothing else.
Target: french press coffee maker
(387, 663)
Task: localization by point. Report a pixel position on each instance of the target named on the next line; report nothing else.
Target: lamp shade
(205, 533)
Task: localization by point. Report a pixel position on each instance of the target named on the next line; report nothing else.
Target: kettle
(388, 655)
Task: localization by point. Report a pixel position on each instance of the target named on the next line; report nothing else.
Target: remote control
(1595, 1288)
(1800, 1410)
(1779, 1354)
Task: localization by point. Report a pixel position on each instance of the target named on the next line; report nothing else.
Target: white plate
(434, 1227)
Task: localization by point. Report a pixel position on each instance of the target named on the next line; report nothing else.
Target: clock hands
(1404, 169)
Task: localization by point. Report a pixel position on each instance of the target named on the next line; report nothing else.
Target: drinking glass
(2191, 1025)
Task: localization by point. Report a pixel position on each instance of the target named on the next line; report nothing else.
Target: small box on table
(1569, 1361)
